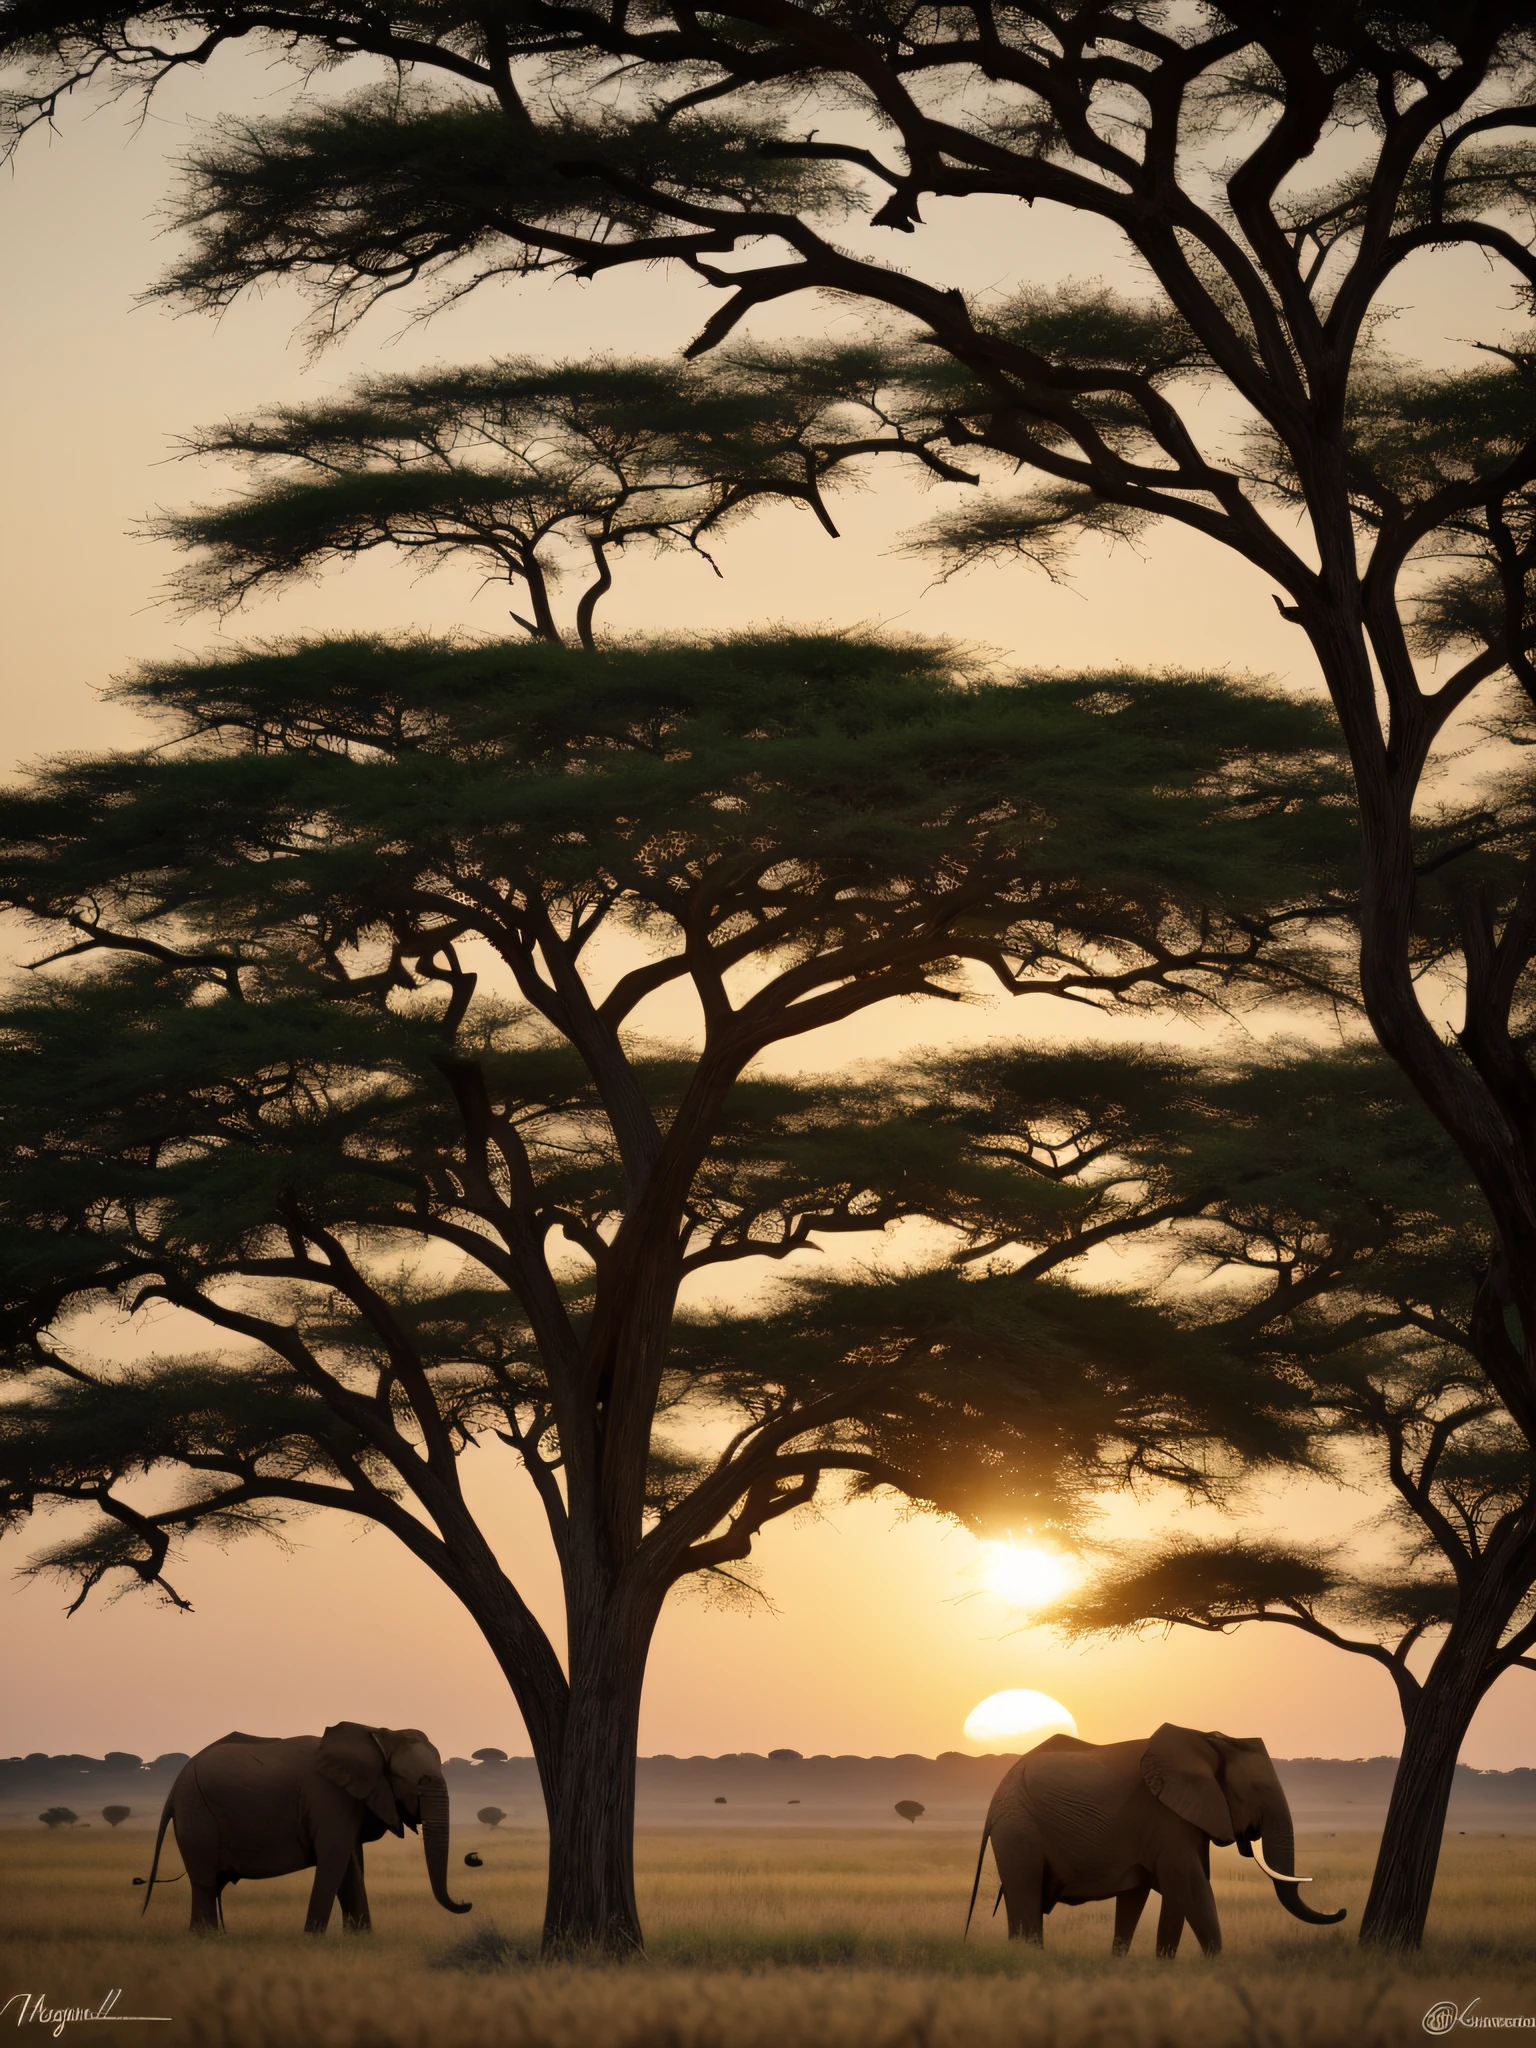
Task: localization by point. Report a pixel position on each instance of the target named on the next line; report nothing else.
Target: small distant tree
(488, 1756)
(341, 1057)
(491, 1816)
(114, 1816)
(59, 1817)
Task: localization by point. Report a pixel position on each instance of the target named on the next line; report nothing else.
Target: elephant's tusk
(1276, 1876)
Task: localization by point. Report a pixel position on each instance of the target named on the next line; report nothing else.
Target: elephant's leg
(1128, 1910)
(1170, 1925)
(1021, 1866)
(1187, 1895)
(331, 1865)
(206, 1917)
(197, 1843)
(352, 1896)
(1204, 1921)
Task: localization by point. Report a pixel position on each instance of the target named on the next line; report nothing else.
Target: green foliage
(1313, 1166)
(1041, 530)
(374, 191)
(1439, 462)
(1088, 328)
(1218, 1584)
(1473, 180)
(1342, 1241)
(528, 470)
(841, 791)
(1344, 1165)
(1079, 1389)
(1202, 1584)
(1114, 347)
(170, 1411)
(327, 1028)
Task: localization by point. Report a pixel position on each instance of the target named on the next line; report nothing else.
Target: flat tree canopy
(534, 471)
(342, 1054)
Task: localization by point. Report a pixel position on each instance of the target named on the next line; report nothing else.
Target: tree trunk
(1435, 1726)
(590, 1795)
(1404, 1878)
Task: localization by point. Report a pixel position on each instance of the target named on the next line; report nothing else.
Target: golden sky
(881, 1638)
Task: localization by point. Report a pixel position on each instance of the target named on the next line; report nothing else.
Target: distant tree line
(39, 1767)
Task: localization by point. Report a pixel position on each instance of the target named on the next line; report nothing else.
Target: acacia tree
(356, 961)
(529, 470)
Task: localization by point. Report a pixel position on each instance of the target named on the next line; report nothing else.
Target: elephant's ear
(1179, 1767)
(350, 1756)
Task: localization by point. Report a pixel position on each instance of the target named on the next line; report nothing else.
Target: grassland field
(757, 1938)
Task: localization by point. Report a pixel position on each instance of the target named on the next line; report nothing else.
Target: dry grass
(759, 1939)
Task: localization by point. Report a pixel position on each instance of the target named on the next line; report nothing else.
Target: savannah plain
(758, 1938)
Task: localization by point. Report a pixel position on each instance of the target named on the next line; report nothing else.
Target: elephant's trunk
(1279, 1861)
(434, 1843)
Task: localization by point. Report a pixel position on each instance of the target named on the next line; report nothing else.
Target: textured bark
(590, 1903)
(1435, 1726)
(1404, 1878)
(1477, 1104)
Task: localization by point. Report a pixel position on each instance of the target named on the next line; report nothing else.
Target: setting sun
(1026, 1576)
(1019, 1715)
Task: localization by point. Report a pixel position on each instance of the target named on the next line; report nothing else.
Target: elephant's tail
(981, 1857)
(154, 1868)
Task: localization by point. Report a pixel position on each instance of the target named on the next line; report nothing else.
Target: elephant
(1074, 1821)
(259, 1806)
